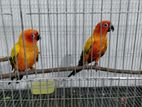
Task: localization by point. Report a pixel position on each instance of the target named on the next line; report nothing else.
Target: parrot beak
(38, 37)
(111, 28)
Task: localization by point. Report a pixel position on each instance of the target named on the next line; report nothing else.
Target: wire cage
(64, 26)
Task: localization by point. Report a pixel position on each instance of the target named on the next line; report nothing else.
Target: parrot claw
(9, 83)
(17, 82)
(97, 66)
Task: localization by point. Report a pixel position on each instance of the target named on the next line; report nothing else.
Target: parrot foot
(85, 64)
(96, 66)
(9, 83)
(32, 68)
(17, 82)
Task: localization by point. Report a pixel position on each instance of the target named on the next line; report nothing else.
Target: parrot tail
(80, 63)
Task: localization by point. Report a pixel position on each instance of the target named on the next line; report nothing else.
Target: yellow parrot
(96, 45)
(24, 54)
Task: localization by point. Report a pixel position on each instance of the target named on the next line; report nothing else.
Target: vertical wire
(48, 95)
(71, 81)
(131, 30)
(102, 92)
(136, 30)
(124, 47)
(75, 32)
(30, 10)
(141, 97)
(109, 44)
(66, 17)
(79, 94)
(131, 68)
(83, 27)
(57, 17)
(92, 9)
(95, 92)
(4, 30)
(44, 31)
(32, 94)
(110, 93)
(134, 97)
(137, 20)
(3, 25)
(23, 38)
(50, 32)
(4, 96)
(92, 31)
(139, 67)
(117, 35)
(39, 25)
(14, 46)
(74, 44)
(101, 46)
(101, 30)
(126, 33)
(13, 38)
(87, 80)
(116, 55)
(126, 92)
(39, 19)
(117, 93)
(57, 43)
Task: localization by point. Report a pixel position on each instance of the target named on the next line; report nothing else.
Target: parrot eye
(105, 25)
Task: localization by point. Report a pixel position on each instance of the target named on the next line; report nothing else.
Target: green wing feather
(14, 54)
(88, 45)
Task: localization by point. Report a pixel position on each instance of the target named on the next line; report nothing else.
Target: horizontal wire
(75, 79)
(125, 12)
(3, 59)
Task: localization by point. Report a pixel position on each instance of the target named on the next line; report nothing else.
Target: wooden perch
(62, 69)
(3, 59)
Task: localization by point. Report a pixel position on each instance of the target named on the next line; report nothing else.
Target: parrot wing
(85, 53)
(88, 49)
(88, 45)
(14, 54)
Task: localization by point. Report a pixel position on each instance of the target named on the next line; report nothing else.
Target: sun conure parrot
(96, 45)
(24, 54)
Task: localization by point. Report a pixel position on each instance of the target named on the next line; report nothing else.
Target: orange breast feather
(31, 56)
(98, 49)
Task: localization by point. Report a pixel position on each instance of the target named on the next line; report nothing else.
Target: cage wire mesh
(64, 26)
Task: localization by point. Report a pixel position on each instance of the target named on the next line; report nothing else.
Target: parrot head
(30, 35)
(105, 26)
